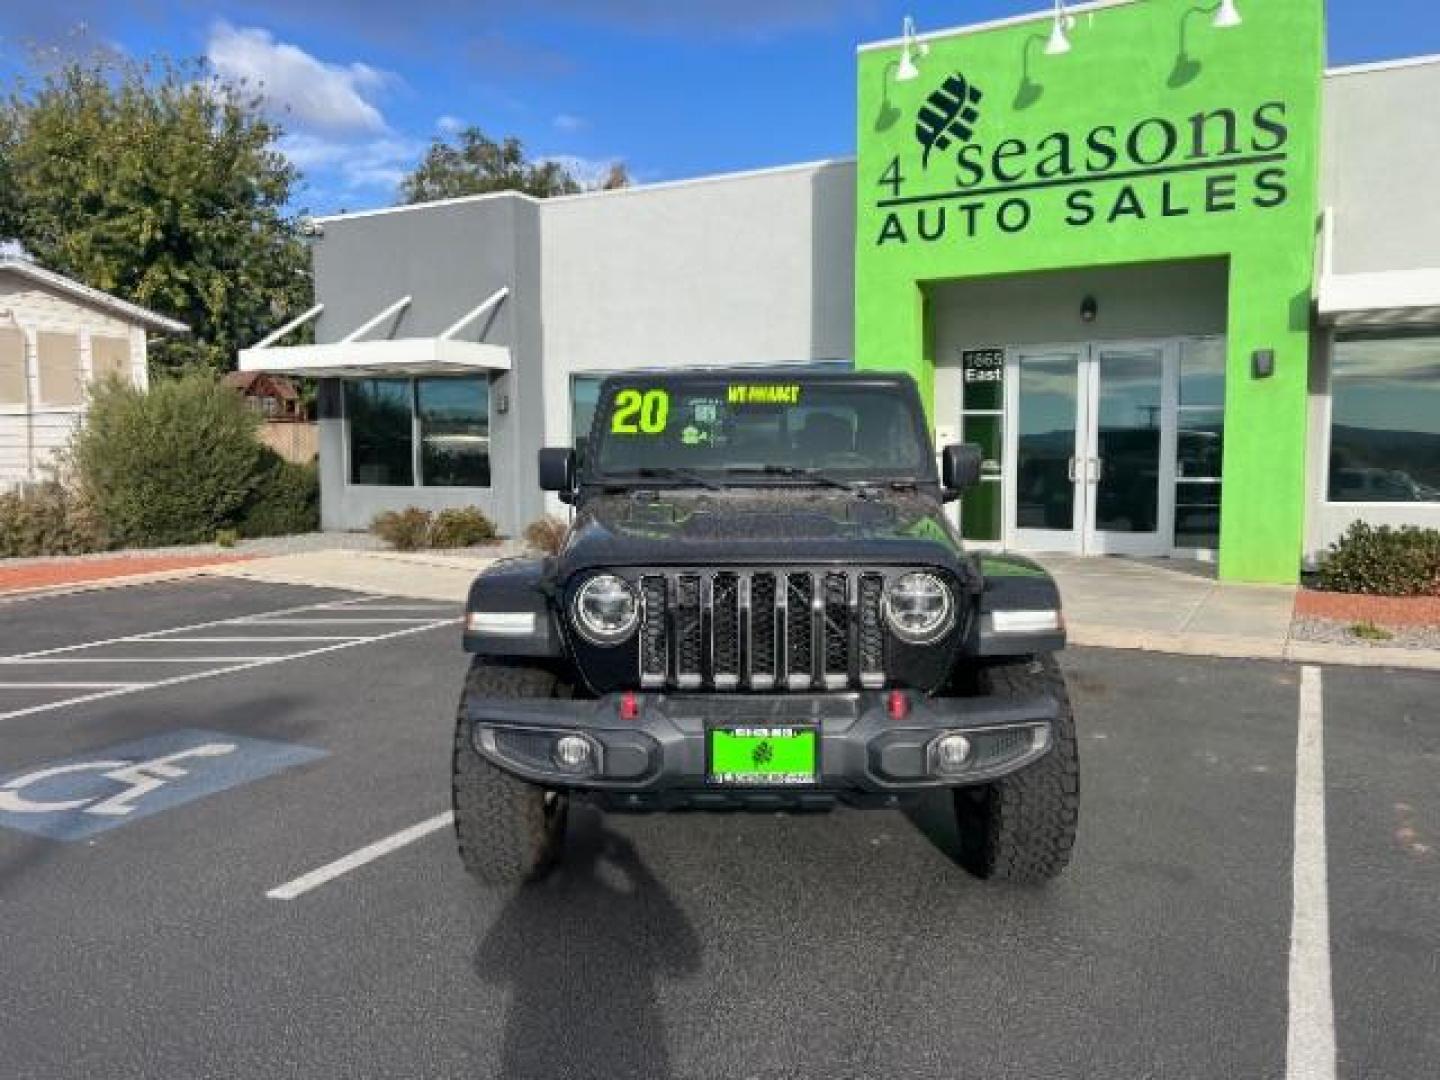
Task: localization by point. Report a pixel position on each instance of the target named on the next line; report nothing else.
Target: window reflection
(381, 435)
(454, 417)
(1385, 420)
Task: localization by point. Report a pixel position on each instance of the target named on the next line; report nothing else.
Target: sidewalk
(1178, 607)
(423, 575)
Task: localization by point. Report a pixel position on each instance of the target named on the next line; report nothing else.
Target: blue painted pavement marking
(78, 797)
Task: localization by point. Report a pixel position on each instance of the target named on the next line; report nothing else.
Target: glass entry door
(1092, 452)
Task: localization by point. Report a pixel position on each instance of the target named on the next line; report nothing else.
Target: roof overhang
(373, 359)
(1399, 298)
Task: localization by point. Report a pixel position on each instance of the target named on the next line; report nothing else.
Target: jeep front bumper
(869, 749)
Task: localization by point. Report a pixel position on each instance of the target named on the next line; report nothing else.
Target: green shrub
(404, 530)
(286, 502)
(1383, 561)
(460, 528)
(546, 535)
(48, 519)
(227, 538)
(170, 465)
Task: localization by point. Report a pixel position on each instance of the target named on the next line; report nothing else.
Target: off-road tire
(1022, 829)
(508, 831)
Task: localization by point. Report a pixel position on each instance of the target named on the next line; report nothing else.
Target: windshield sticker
(640, 412)
(765, 394)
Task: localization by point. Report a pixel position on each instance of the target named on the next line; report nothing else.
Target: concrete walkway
(421, 575)
(1178, 607)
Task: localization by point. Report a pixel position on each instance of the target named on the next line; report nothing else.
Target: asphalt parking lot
(188, 771)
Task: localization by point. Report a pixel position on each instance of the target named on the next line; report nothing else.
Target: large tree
(163, 187)
(474, 164)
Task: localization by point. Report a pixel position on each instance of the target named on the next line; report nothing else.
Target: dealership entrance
(1099, 448)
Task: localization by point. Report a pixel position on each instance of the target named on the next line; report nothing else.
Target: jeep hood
(802, 526)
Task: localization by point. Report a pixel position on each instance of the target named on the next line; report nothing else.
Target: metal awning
(1391, 298)
(365, 359)
(1397, 298)
(350, 357)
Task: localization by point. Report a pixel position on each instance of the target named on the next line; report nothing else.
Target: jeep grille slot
(763, 630)
(799, 631)
(687, 631)
(654, 654)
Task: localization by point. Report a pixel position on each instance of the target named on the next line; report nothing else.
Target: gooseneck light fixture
(1227, 16)
(910, 49)
(1059, 43)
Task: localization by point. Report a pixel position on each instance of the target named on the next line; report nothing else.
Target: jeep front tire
(508, 831)
(1022, 828)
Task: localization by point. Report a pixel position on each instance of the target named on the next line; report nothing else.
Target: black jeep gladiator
(762, 605)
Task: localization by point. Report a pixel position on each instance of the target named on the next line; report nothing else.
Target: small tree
(163, 187)
(171, 465)
(477, 165)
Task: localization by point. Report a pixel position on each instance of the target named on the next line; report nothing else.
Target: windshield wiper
(798, 473)
(666, 472)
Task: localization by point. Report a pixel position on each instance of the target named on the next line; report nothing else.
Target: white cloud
(311, 93)
(569, 122)
(370, 165)
(449, 125)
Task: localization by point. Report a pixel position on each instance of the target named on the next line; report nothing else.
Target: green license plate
(764, 755)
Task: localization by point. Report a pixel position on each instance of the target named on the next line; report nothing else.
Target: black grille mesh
(799, 625)
(763, 629)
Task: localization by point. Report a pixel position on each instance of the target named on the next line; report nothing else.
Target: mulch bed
(57, 573)
(1381, 610)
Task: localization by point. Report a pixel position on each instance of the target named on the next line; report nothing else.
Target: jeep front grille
(762, 630)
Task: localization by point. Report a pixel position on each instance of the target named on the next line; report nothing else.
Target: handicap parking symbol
(78, 797)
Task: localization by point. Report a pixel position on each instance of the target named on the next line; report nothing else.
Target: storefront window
(982, 373)
(1385, 420)
(454, 421)
(382, 448)
(1200, 443)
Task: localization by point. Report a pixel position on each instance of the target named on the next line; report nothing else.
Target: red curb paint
(1382, 610)
(80, 571)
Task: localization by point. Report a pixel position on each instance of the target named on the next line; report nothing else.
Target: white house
(58, 336)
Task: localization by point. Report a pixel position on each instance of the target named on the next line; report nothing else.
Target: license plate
(764, 755)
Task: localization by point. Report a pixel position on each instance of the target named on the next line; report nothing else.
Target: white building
(57, 337)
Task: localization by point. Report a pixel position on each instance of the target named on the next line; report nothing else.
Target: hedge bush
(171, 465)
(286, 502)
(1383, 561)
(412, 529)
(404, 530)
(546, 535)
(48, 519)
(460, 528)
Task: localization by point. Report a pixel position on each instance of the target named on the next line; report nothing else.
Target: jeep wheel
(509, 831)
(1022, 828)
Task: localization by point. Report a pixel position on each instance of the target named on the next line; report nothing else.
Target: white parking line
(26, 661)
(368, 854)
(242, 640)
(66, 685)
(259, 621)
(245, 665)
(1310, 1046)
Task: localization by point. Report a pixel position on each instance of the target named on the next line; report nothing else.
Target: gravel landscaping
(1335, 632)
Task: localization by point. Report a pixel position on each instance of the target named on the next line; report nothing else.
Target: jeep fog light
(606, 610)
(919, 608)
(951, 753)
(573, 754)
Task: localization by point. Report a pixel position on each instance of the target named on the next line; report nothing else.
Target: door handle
(1072, 473)
(1097, 469)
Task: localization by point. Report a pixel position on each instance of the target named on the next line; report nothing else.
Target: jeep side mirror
(959, 467)
(557, 471)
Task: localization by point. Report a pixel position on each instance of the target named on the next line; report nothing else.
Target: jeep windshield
(755, 431)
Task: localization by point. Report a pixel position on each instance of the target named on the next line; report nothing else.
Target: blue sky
(674, 89)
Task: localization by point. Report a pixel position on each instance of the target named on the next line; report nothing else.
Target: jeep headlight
(606, 610)
(919, 608)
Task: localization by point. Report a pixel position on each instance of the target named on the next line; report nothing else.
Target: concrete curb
(1242, 648)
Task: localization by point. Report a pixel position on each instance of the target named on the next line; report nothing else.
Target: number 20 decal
(637, 413)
